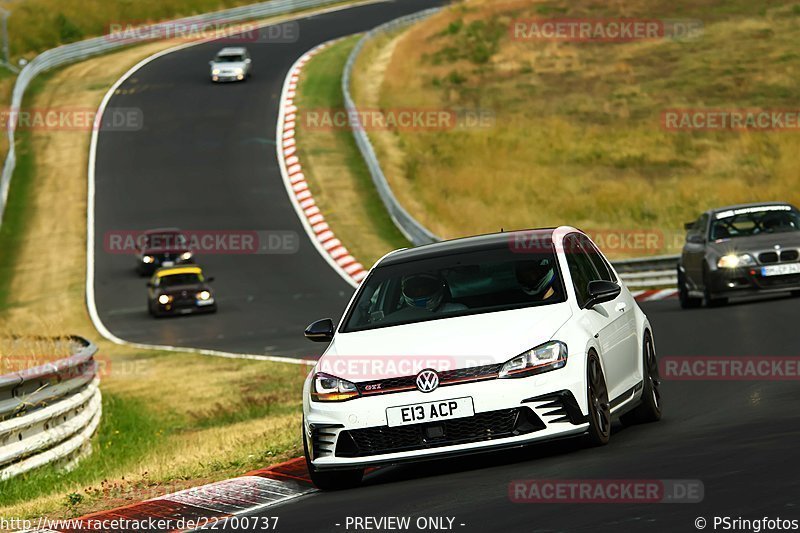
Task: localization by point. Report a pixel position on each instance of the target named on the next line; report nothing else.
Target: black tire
(599, 431)
(334, 479)
(649, 410)
(687, 302)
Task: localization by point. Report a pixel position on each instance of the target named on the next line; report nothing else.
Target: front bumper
(508, 413)
(227, 77)
(184, 308)
(748, 280)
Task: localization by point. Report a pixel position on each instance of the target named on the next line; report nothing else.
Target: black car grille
(480, 427)
(785, 256)
(447, 377)
(184, 298)
(768, 257)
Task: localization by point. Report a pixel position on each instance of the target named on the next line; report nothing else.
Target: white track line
(90, 206)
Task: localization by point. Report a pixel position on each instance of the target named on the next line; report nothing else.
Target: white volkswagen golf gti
(476, 344)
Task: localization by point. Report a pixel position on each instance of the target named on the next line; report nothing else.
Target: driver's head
(535, 276)
(424, 291)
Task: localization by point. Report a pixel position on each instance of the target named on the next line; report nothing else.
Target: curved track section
(206, 160)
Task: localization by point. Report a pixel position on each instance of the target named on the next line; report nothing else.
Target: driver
(427, 291)
(536, 277)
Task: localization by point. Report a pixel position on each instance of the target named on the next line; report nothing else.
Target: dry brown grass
(578, 137)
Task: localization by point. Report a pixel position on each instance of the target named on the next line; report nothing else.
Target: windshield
(180, 279)
(166, 241)
(229, 58)
(458, 285)
(754, 221)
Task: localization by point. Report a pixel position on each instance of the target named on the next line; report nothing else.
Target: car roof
(491, 241)
(231, 50)
(183, 269)
(745, 206)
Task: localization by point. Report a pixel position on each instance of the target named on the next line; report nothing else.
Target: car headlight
(239, 70)
(735, 261)
(215, 71)
(549, 356)
(186, 256)
(148, 259)
(203, 295)
(164, 299)
(328, 388)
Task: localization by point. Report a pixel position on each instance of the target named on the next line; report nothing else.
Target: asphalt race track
(206, 160)
(738, 438)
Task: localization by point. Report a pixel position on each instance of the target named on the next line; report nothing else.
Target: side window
(581, 267)
(599, 262)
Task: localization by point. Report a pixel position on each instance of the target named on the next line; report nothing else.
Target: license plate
(168, 263)
(780, 270)
(420, 413)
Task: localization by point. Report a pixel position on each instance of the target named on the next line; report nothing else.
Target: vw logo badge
(427, 380)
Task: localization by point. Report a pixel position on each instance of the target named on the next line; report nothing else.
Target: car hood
(228, 66)
(756, 243)
(177, 289)
(444, 344)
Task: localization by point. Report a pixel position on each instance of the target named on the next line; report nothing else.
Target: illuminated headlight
(147, 259)
(239, 70)
(215, 71)
(186, 256)
(735, 261)
(164, 299)
(203, 295)
(549, 356)
(332, 389)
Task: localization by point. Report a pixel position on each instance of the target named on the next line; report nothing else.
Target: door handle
(621, 307)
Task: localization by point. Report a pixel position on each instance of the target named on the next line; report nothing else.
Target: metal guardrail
(408, 225)
(50, 412)
(656, 271)
(78, 51)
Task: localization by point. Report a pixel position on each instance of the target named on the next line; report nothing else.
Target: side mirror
(688, 226)
(600, 292)
(149, 285)
(695, 238)
(209, 279)
(248, 60)
(320, 331)
(211, 63)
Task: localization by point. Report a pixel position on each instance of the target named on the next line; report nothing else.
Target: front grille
(447, 377)
(480, 427)
(789, 280)
(789, 255)
(768, 257)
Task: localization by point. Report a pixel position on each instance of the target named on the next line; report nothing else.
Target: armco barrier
(408, 225)
(50, 412)
(69, 53)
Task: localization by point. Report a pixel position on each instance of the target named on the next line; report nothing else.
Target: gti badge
(427, 380)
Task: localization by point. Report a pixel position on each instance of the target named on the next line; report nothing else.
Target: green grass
(335, 169)
(577, 137)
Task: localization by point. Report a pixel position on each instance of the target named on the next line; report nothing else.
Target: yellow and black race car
(180, 290)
